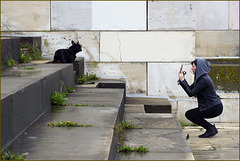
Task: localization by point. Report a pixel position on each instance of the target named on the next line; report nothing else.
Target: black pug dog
(67, 55)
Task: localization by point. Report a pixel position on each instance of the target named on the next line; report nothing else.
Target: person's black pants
(198, 117)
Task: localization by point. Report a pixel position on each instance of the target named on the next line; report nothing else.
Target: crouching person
(209, 103)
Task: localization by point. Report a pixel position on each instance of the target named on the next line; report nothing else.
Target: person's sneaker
(209, 133)
(214, 128)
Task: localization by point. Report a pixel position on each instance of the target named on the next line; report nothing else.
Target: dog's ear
(78, 42)
(72, 42)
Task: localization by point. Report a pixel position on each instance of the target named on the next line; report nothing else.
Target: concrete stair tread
(161, 133)
(44, 142)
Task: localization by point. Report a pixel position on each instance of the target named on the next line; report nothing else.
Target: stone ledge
(26, 94)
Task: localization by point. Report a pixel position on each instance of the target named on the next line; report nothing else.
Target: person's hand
(181, 76)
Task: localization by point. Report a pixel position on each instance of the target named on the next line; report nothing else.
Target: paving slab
(153, 121)
(161, 133)
(223, 146)
(26, 94)
(134, 108)
(43, 142)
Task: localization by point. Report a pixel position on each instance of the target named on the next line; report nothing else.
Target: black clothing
(197, 116)
(203, 87)
(209, 103)
(204, 90)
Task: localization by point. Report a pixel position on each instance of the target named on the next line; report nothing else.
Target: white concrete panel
(118, 15)
(234, 15)
(147, 46)
(171, 15)
(162, 79)
(25, 16)
(212, 15)
(71, 15)
(52, 41)
(133, 73)
(230, 110)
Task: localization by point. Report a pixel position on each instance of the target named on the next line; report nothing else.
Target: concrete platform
(161, 133)
(223, 146)
(26, 94)
(103, 109)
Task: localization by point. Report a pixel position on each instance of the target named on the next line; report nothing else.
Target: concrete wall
(143, 42)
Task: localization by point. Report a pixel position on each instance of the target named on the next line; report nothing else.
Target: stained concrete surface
(44, 142)
(161, 133)
(223, 146)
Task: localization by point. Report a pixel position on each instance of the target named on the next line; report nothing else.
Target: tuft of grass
(8, 155)
(24, 57)
(29, 68)
(68, 124)
(85, 78)
(127, 149)
(102, 105)
(129, 125)
(34, 52)
(58, 98)
(11, 62)
(183, 124)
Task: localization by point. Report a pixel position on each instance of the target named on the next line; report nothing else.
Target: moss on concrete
(225, 75)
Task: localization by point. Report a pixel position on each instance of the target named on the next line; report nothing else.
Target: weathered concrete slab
(147, 101)
(210, 17)
(32, 16)
(133, 73)
(191, 15)
(26, 94)
(97, 98)
(44, 142)
(171, 15)
(137, 47)
(134, 108)
(149, 121)
(120, 15)
(234, 15)
(160, 133)
(223, 146)
(163, 77)
(80, 13)
(90, 15)
(155, 156)
(217, 43)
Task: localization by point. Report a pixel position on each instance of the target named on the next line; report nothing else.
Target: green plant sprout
(140, 149)
(85, 78)
(102, 105)
(29, 68)
(183, 124)
(34, 52)
(58, 98)
(129, 125)
(68, 124)
(24, 57)
(8, 155)
(11, 62)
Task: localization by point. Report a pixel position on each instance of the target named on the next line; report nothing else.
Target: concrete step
(26, 94)
(161, 133)
(42, 142)
(151, 105)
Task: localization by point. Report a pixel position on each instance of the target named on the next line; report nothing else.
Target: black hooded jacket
(203, 87)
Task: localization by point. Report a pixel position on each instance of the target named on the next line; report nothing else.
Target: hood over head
(203, 67)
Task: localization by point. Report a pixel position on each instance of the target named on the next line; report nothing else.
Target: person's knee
(188, 115)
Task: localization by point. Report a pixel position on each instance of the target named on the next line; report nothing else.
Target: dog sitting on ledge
(67, 55)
